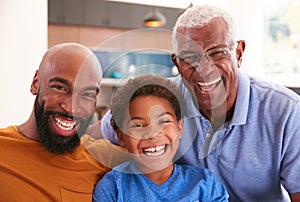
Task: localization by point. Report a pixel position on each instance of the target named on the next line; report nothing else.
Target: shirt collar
(242, 101)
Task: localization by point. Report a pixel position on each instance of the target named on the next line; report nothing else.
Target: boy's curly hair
(144, 85)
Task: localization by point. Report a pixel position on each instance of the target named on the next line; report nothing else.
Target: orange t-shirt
(28, 172)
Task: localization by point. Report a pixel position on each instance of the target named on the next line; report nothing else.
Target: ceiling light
(154, 18)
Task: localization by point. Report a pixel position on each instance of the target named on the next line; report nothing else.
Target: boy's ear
(180, 127)
(34, 88)
(120, 136)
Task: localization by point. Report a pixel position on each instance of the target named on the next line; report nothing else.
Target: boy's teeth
(155, 151)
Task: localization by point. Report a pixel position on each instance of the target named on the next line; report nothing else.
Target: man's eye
(190, 58)
(217, 53)
(58, 87)
(90, 95)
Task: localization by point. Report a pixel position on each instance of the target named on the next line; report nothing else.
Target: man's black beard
(56, 143)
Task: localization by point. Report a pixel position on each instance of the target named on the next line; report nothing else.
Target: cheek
(131, 145)
(230, 77)
(230, 72)
(174, 133)
(89, 107)
(48, 101)
(187, 73)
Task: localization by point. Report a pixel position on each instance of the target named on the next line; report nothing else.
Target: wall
(108, 38)
(248, 16)
(95, 24)
(90, 36)
(23, 40)
(97, 37)
(104, 13)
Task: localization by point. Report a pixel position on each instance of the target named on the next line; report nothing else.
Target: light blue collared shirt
(255, 153)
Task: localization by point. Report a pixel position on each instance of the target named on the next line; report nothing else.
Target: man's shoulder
(105, 152)
(9, 131)
(177, 80)
(273, 89)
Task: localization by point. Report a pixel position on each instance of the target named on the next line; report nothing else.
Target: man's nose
(71, 105)
(66, 105)
(205, 65)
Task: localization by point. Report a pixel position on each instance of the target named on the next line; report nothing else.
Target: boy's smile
(151, 132)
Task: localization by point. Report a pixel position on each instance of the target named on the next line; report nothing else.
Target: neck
(219, 116)
(29, 128)
(161, 176)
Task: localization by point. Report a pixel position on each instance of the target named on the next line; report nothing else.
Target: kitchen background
(115, 32)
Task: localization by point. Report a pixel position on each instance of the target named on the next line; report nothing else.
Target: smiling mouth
(65, 124)
(209, 86)
(155, 151)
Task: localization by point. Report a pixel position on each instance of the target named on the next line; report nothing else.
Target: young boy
(147, 116)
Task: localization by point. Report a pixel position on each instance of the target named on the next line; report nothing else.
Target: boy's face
(151, 132)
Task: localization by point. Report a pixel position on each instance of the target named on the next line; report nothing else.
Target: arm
(295, 197)
(103, 129)
(104, 152)
(106, 189)
(94, 130)
(216, 191)
(290, 164)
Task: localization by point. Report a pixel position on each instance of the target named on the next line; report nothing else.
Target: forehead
(76, 68)
(150, 105)
(213, 33)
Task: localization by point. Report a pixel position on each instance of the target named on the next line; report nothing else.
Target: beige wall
(23, 39)
(110, 38)
(86, 35)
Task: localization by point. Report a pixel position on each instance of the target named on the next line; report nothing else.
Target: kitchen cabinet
(66, 11)
(104, 13)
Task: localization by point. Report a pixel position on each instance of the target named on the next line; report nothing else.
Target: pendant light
(154, 18)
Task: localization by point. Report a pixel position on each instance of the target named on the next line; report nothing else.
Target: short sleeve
(216, 191)
(106, 129)
(106, 189)
(290, 164)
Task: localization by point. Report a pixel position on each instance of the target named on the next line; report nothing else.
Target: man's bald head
(67, 84)
(70, 55)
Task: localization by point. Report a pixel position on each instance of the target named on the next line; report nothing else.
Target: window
(282, 40)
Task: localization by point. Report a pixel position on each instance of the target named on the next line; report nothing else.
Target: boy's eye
(164, 121)
(136, 125)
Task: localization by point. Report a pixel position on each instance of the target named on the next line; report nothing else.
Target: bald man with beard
(47, 158)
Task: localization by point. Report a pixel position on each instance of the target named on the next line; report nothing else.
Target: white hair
(200, 15)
